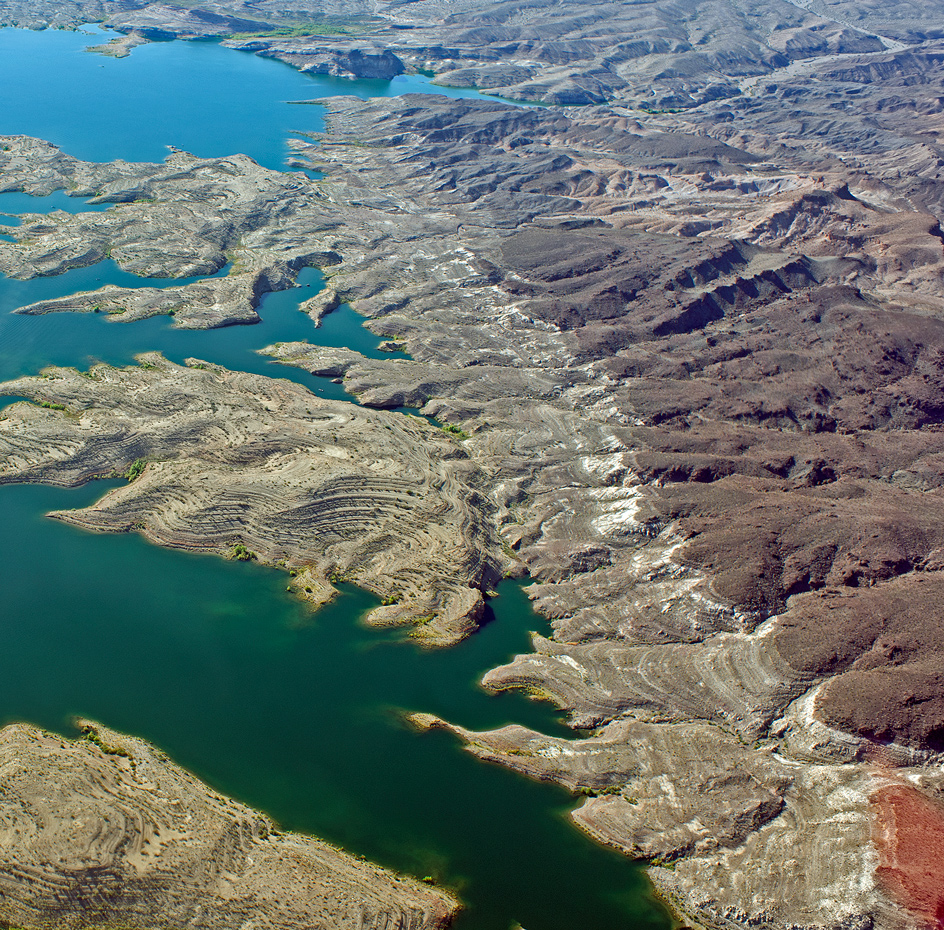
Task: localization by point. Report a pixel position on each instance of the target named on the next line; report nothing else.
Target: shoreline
(688, 407)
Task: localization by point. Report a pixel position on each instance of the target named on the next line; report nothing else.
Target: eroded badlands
(697, 357)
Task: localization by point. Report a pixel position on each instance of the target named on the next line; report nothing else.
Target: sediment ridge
(106, 830)
(253, 467)
(695, 362)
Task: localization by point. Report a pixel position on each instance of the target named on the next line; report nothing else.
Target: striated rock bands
(326, 489)
(711, 441)
(907, 831)
(731, 505)
(107, 831)
(186, 217)
(697, 361)
(660, 54)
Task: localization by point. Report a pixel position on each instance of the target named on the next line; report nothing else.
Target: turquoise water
(197, 96)
(297, 714)
(29, 343)
(17, 202)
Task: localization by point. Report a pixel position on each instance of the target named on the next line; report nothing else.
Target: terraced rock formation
(186, 217)
(105, 829)
(712, 442)
(249, 466)
(731, 503)
(659, 55)
(698, 358)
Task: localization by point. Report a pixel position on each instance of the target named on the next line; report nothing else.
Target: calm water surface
(297, 714)
(197, 96)
(29, 343)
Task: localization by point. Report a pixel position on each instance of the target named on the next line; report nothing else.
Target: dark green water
(297, 714)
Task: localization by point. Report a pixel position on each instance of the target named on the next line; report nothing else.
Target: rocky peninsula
(106, 830)
(259, 468)
(695, 360)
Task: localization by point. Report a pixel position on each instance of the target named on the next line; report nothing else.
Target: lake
(297, 714)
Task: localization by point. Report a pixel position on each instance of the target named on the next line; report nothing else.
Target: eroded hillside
(697, 358)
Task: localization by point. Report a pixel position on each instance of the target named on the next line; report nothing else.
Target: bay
(297, 714)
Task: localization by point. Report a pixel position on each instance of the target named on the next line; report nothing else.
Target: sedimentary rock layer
(184, 218)
(698, 358)
(713, 447)
(106, 831)
(658, 55)
(240, 464)
(908, 830)
(733, 522)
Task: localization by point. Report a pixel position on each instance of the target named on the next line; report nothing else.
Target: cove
(296, 714)
(197, 96)
(12, 202)
(30, 343)
(300, 714)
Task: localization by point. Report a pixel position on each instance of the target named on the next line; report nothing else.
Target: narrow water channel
(29, 343)
(297, 714)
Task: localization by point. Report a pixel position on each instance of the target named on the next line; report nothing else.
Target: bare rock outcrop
(693, 799)
(185, 218)
(739, 503)
(698, 359)
(167, 21)
(106, 830)
(658, 55)
(253, 467)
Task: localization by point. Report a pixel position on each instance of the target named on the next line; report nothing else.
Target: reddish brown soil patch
(909, 834)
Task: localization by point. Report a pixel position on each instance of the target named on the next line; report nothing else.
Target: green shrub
(453, 430)
(135, 469)
(239, 553)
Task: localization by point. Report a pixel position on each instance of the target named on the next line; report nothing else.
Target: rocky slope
(738, 543)
(698, 357)
(711, 441)
(250, 466)
(658, 55)
(107, 830)
(186, 217)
